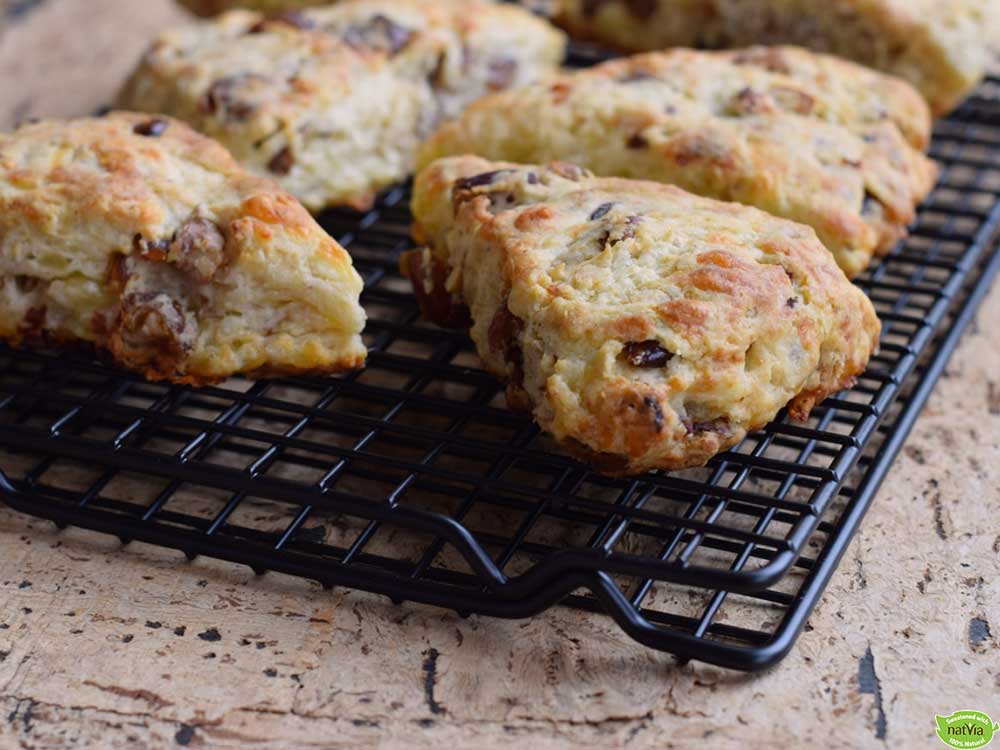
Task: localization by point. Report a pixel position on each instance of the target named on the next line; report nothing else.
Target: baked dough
(644, 327)
(941, 46)
(808, 137)
(147, 240)
(215, 7)
(334, 101)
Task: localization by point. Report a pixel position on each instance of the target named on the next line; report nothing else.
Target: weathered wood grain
(110, 647)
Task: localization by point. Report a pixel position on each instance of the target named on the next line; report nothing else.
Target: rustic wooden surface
(136, 648)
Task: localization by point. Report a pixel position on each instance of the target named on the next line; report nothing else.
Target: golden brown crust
(215, 7)
(146, 240)
(803, 136)
(940, 46)
(332, 102)
(644, 327)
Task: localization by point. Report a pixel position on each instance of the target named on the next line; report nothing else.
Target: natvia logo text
(966, 729)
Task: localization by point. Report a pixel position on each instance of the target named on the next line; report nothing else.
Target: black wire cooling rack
(411, 479)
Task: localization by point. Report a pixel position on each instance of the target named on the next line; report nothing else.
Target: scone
(804, 136)
(644, 327)
(214, 7)
(941, 46)
(148, 241)
(334, 101)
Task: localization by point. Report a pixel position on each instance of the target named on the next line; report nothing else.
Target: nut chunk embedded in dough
(643, 327)
(138, 235)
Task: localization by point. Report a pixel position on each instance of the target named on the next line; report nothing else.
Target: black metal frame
(410, 478)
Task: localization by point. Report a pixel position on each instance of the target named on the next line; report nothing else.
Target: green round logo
(966, 729)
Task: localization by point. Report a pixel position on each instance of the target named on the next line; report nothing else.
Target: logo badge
(966, 729)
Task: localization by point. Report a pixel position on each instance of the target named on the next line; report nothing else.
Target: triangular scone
(214, 7)
(644, 327)
(148, 240)
(808, 137)
(333, 102)
(942, 47)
